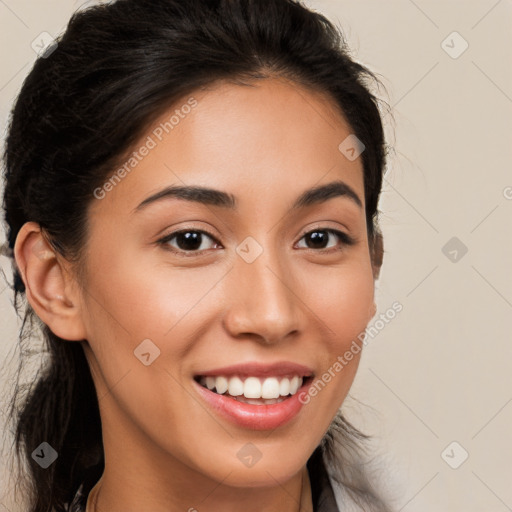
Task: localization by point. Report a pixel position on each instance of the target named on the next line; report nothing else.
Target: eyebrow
(213, 197)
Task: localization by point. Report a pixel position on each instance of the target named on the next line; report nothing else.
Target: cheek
(343, 300)
(342, 297)
(137, 297)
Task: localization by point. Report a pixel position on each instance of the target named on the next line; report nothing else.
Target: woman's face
(253, 288)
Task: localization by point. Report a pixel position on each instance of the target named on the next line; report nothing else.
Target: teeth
(284, 387)
(252, 389)
(221, 385)
(210, 382)
(235, 387)
(270, 388)
(295, 384)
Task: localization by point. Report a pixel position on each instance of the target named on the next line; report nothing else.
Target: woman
(191, 201)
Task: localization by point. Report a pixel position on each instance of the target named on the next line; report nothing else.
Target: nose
(263, 302)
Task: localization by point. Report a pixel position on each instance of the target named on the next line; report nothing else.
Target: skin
(164, 449)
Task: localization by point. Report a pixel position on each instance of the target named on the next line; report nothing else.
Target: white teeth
(221, 385)
(284, 387)
(235, 387)
(270, 388)
(210, 382)
(252, 389)
(295, 383)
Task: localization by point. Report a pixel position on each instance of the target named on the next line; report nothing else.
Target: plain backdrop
(434, 385)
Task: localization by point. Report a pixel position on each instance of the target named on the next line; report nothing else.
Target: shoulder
(329, 494)
(344, 500)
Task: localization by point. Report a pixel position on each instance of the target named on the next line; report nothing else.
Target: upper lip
(255, 369)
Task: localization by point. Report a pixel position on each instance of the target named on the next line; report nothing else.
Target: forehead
(271, 138)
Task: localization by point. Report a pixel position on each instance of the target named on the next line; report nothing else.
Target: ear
(50, 288)
(377, 253)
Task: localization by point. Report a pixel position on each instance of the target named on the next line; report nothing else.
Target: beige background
(441, 370)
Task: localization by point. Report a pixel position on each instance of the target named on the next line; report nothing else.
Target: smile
(253, 390)
(254, 395)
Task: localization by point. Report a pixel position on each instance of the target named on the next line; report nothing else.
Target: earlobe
(49, 286)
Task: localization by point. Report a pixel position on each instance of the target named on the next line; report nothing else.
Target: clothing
(321, 489)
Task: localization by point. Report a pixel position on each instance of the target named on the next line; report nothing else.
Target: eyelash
(343, 237)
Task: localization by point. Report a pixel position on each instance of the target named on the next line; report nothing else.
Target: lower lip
(255, 417)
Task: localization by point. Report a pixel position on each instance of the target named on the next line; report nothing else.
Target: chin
(274, 466)
(265, 476)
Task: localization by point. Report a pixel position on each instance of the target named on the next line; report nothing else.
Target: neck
(223, 498)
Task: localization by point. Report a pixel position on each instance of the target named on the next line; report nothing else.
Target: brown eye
(317, 239)
(321, 238)
(189, 241)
